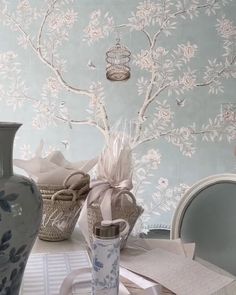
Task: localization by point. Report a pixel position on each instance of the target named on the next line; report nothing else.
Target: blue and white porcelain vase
(20, 215)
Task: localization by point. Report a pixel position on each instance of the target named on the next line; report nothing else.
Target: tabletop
(76, 243)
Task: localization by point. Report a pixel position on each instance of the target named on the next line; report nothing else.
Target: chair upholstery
(207, 216)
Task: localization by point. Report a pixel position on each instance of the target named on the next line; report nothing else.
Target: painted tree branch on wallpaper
(167, 72)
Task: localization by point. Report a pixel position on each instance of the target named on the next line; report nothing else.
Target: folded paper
(178, 273)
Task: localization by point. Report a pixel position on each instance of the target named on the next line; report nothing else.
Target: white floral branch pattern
(164, 72)
(58, 22)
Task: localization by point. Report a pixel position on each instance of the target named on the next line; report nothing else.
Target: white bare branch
(38, 51)
(84, 122)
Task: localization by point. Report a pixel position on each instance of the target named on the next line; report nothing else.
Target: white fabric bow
(114, 177)
(107, 193)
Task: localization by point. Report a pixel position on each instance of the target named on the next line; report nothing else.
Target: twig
(143, 109)
(48, 12)
(140, 182)
(58, 74)
(19, 27)
(148, 36)
(106, 129)
(217, 75)
(173, 15)
(169, 132)
(83, 122)
(148, 98)
(38, 51)
(151, 99)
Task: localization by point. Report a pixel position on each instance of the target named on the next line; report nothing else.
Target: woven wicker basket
(129, 213)
(61, 208)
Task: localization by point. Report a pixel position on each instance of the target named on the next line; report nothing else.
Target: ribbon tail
(83, 222)
(67, 284)
(105, 205)
(83, 218)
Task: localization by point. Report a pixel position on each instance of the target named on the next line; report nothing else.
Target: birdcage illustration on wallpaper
(118, 58)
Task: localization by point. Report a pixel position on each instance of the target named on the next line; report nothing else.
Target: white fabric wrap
(114, 172)
(53, 169)
(101, 189)
(68, 283)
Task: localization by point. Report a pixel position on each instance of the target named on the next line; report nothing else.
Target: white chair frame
(191, 194)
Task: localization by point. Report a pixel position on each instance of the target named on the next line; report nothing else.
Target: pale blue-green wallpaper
(180, 97)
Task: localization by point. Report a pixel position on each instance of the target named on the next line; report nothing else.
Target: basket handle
(72, 186)
(54, 196)
(126, 192)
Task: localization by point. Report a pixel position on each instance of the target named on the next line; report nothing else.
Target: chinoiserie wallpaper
(180, 97)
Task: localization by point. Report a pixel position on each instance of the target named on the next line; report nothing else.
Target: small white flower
(226, 28)
(94, 33)
(185, 132)
(144, 60)
(164, 113)
(24, 6)
(70, 17)
(53, 85)
(146, 9)
(95, 14)
(163, 182)
(160, 52)
(188, 80)
(153, 157)
(56, 23)
(188, 50)
(98, 27)
(6, 59)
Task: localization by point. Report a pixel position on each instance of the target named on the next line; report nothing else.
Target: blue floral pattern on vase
(17, 257)
(14, 255)
(5, 201)
(20, 216)
(106, 266)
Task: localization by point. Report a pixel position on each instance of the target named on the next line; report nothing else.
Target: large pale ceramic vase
(20, 215)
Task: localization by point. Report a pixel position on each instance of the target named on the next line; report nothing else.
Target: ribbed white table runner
(44, 273)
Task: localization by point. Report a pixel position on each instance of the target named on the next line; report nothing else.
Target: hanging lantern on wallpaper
(118, 58)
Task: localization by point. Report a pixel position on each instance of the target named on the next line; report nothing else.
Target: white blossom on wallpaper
(99, 27)
(43, 30)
